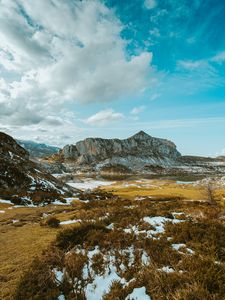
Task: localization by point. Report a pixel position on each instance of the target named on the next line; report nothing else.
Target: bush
(206, 237)
(93, 233)
(52, 222)
(38, 283)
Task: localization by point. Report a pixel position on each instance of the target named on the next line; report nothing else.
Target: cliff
(134, 152)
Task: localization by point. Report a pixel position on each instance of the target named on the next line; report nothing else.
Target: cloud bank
(55, 53)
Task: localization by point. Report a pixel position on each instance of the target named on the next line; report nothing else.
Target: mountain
(22, 180)
(38, 150)
(135, 152)
(140, 153)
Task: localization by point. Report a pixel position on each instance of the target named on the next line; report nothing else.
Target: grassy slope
(19, 245)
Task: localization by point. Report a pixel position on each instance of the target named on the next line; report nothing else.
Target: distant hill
(37, 149)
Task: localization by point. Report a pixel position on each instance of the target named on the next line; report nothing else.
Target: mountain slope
(38, 150)
(21, 180)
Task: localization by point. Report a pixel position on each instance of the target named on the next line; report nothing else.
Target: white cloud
(150, 4)
(103, 117)
(155, 96)
(219, 58)
(155, 32)
(190, 65)
(62, 52)
(137, 110)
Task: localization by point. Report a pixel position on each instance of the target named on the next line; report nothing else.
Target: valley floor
(161, 239)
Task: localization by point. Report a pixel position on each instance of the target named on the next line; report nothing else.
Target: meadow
(157, 239)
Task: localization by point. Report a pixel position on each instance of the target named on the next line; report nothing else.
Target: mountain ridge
(133, 152)
(38, 149)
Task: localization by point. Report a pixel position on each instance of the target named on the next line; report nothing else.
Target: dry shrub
(161, 253)
(38, 283)
(85, 233)
(193, 291)
(52, 222)
(205, 236)
(207, 272)
(73, 283)
(116, 292)
(98, 264)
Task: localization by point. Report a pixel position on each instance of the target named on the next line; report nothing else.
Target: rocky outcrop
(21, 180)
(135, 152)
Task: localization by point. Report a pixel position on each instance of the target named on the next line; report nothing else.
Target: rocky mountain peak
(141, 147)
(141, 135)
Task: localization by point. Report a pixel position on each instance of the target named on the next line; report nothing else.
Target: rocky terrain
(24, 182)
(128, 155)
(38, 149)
(141, 153)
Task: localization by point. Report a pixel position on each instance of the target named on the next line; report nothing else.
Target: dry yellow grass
(22, 241)
(160, 188)
(20, 244)
(220, 196)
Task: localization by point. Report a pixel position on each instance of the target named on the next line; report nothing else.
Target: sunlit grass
(25, 239)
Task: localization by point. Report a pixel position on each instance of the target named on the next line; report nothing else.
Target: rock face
(137, 151)
(22, 180)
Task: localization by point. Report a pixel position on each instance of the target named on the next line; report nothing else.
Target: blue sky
(74, 69)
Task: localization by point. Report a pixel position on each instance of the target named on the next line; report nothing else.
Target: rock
(140, 149)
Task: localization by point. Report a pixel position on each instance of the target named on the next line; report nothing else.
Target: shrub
(206, 236)
(71, 237)
(52, 222)
(38, 283)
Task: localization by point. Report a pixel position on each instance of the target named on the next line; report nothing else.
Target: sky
(74, 69)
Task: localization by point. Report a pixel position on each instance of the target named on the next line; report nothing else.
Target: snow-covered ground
(100, 284)
(89, 184)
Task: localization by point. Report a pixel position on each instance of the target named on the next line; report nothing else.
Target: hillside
(21, 180)
(38, 149)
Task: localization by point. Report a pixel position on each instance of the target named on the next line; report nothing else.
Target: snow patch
(70, 222)
(138, 294)
(5, 201)
(167, 269)
(89, 184)
(178, 246)
(158, 222)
